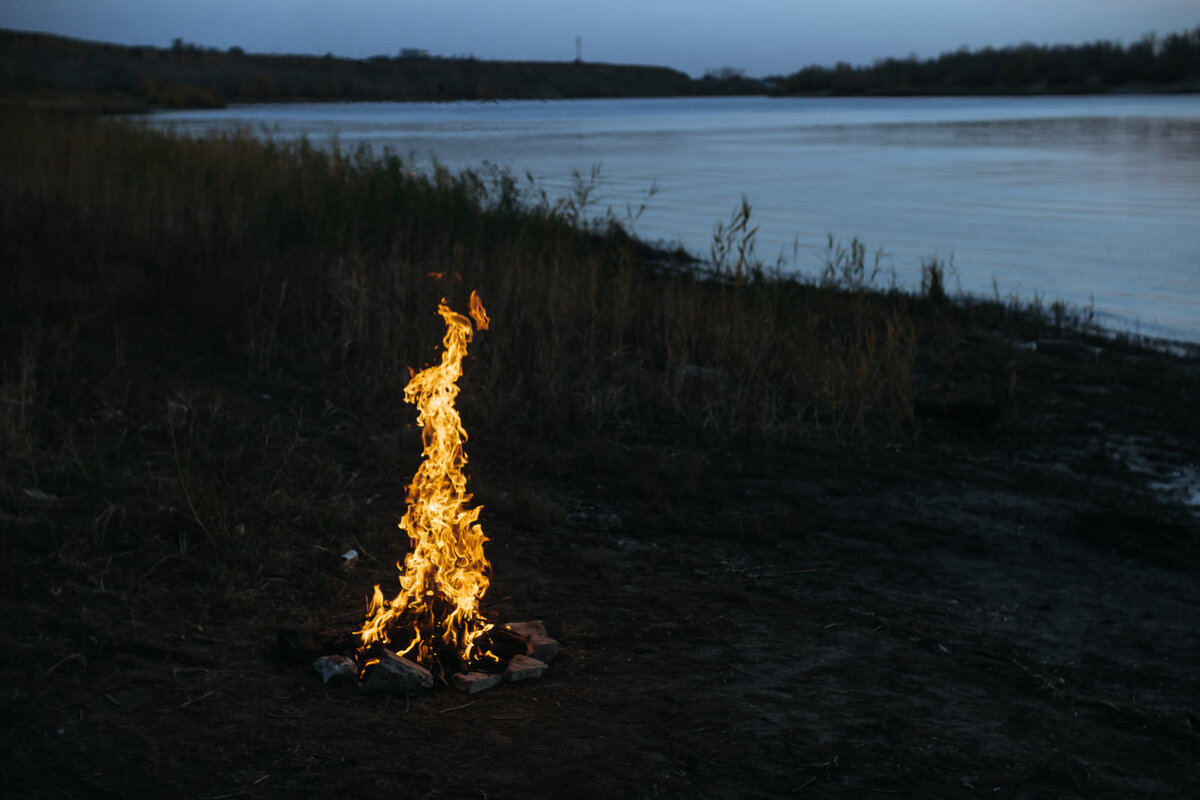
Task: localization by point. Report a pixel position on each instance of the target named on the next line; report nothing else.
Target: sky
(762, 37)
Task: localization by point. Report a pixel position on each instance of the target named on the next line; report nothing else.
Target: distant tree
(725, 73)
(1173, 60)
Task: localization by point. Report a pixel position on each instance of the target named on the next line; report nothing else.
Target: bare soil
(1002, 604)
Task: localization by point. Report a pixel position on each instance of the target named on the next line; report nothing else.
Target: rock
(349, 559)
(523, 668)
(394, 673)
(537, 643)
(473, 682)
(543, 648)
(330, 667)
(526, 630)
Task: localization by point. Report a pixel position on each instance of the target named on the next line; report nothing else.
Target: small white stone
(543, 648)
(473, 682)
(523, 668)
(330, 667)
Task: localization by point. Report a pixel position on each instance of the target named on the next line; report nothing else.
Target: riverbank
(792, 538)
(914, 179)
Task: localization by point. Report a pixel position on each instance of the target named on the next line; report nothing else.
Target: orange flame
(446, 574)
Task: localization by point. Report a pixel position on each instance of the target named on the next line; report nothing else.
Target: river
(1091, 200)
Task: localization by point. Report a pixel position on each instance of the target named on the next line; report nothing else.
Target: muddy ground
(1005, 603)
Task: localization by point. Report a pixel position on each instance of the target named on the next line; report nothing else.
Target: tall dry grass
(204, 343)
(132, 248)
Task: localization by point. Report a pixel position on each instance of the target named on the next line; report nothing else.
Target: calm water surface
(1092, 200)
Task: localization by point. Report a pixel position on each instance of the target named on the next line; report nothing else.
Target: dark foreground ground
(1000, 605)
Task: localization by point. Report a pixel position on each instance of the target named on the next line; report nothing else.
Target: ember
(435, 618)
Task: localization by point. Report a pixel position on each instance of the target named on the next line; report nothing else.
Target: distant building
(414, 52)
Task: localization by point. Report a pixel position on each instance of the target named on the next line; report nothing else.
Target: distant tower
(578, 49)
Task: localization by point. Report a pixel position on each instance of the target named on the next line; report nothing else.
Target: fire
(444, 577)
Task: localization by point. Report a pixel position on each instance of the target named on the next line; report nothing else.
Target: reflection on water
(1087, 199)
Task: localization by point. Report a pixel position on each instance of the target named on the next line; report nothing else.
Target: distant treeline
(185, 75)
(1170, 63)
(120, 78)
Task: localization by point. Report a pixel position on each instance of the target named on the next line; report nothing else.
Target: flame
(444, 577)
(477, 313)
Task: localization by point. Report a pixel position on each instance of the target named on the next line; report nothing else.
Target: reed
(278, 255)
(204, 344)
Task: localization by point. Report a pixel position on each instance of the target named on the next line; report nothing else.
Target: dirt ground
(1005, 604)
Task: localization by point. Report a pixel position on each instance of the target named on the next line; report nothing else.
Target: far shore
(126, 79)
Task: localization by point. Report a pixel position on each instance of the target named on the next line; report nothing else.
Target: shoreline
(1065, 243)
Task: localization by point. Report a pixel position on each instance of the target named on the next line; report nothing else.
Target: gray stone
(526, 630)
(472, 682)
(523, 668)
(396, 674)
(543, 648)
(330, 667)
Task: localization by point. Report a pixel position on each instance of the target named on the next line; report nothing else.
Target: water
(1090, 200)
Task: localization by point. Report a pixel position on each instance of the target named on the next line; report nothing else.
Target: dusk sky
(762, 37)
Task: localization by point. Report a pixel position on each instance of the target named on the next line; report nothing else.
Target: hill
(186, 75)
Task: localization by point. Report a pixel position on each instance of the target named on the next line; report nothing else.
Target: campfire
(433, 627)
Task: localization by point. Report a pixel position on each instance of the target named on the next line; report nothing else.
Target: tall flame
(444, 577)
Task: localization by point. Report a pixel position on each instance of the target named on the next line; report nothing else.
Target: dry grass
(205, 343)
(272, 256)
